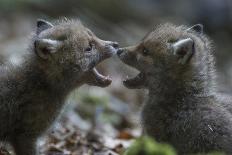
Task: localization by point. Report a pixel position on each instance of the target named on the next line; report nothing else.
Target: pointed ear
(42, 25)
(45, 47)
(197, 28)
(184, 49)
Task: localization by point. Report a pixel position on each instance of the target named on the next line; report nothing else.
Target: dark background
(125, 21)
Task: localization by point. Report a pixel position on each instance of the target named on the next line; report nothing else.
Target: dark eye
(172, 40)
(88, 49)
(145, 52)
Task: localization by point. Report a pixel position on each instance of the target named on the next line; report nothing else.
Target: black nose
(120, 50)
(115, 45)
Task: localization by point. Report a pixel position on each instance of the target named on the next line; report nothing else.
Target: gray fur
(33, 93)
(182, 108)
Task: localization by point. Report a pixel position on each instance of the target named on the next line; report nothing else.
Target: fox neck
(47, 76)
(169, 90)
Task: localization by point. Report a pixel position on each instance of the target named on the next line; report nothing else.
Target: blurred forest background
(99, 121)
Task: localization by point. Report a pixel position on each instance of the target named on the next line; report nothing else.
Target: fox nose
(119, 52)
(115, 44)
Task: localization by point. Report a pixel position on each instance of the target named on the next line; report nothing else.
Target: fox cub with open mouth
(61, 57)
(177, 67)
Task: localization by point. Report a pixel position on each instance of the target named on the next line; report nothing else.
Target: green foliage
(90, 99)
(147, 146)
(110, 117)
(95, 100)
(213, 153)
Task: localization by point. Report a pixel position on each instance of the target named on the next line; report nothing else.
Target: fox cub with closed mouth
(183, 107)
(61, 57)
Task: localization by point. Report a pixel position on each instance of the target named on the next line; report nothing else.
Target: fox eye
(88, 49)
(172, 40)
(145, 52)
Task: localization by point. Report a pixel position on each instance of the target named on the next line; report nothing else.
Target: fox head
(70, 49)
(167, 53)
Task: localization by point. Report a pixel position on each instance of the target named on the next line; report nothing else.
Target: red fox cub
(61, 58)
(177, 67)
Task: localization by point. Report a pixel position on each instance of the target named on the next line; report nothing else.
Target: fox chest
(37, 116)
(157, 123)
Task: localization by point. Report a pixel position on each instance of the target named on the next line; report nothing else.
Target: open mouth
(132, 83)
(135, 82)
(98, 79)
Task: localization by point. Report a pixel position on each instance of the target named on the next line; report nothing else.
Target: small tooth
(127, 77)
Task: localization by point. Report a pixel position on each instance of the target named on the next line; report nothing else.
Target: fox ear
(42, 25)
(183, 49)
(197, 28)
(45, 47)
